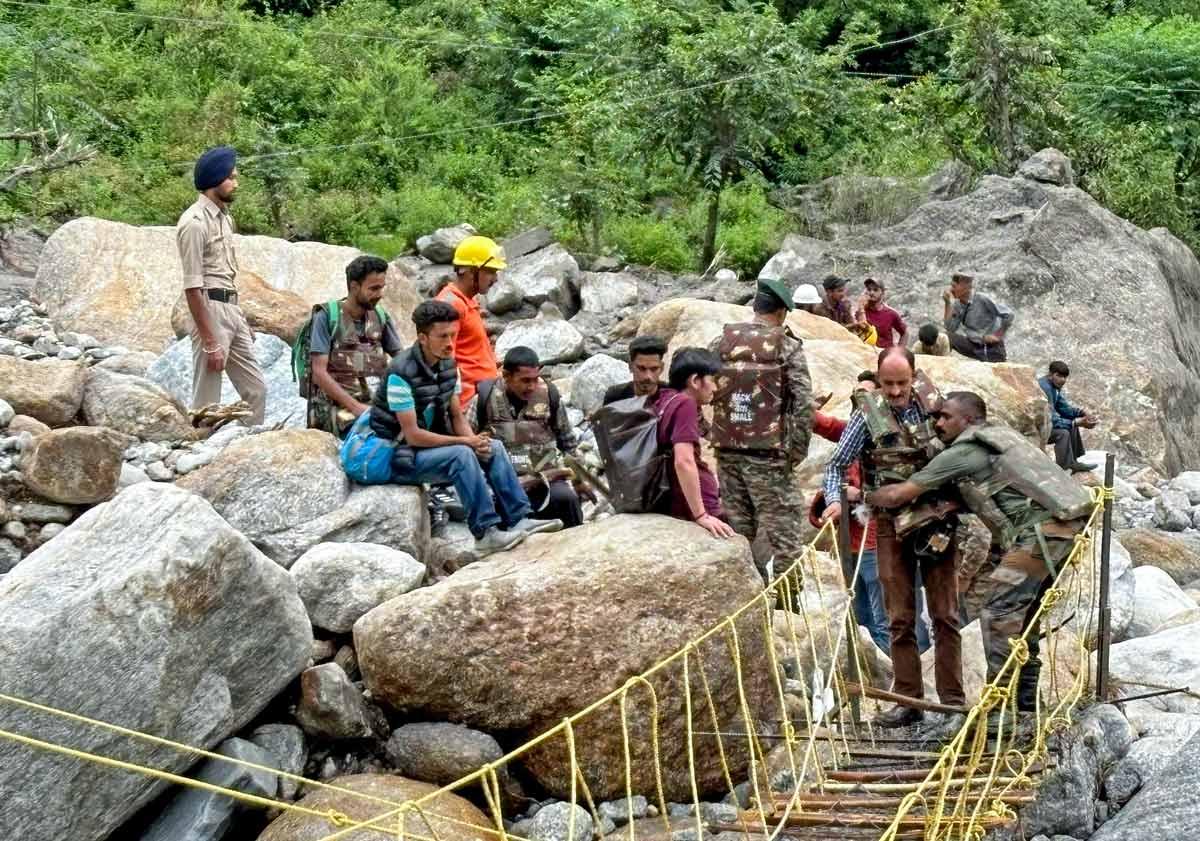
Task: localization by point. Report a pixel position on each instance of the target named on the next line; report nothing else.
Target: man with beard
(221, 338)
(477, 263)
(645, 366)
(351, 342)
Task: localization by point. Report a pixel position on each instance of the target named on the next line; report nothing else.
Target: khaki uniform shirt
(204, 235)
(940, 348)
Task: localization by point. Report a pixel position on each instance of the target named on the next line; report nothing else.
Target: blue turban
(213, 167)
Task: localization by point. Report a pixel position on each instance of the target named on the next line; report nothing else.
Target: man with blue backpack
(349, 345)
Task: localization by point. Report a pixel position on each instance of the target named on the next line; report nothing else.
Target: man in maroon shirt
(886, 320)
(695, 494)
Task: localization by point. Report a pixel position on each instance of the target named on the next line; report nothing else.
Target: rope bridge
(829, 774)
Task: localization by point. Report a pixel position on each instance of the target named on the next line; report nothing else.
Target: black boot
(1027, 686)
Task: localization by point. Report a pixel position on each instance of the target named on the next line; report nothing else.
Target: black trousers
(984, 353)
(558, 502)
(1068, 445)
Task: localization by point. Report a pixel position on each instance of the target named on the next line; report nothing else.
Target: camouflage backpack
(750, 406)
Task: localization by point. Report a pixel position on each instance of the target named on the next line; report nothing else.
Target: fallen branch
(66, 153)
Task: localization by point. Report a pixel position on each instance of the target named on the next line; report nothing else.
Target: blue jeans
(474, 482)
(870, 612)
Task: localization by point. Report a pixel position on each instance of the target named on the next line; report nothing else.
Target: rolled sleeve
(190, 236)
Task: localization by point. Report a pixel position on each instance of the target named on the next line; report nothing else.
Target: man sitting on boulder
(416, 434)
(931, 341)
(1033, 510)
(695, 493)
(1066, 420)
(349, 357)
(975, 322)
(646, 366)
(528, 415)
(477, 263)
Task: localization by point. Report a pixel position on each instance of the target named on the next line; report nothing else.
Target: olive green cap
(777, 288)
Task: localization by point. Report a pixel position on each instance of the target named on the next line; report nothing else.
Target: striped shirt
(853, 441)
(400, 398)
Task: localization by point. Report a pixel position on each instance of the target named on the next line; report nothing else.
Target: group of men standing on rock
(443, 412)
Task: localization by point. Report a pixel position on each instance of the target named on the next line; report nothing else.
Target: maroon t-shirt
(885, 320)
(679, 423)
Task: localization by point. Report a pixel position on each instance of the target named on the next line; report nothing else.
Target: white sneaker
(496, 539)
(530, 526)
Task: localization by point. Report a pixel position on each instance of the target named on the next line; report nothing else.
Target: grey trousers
(1068, 445)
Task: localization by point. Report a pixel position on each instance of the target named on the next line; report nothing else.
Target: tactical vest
(1020, 467)
(354, 356)
(750, 406)
(527, 435)
(432, 387)
(895, 451)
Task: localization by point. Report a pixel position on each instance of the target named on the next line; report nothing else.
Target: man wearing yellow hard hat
(477, 260)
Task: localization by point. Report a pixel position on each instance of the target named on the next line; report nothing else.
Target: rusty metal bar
(904, 700)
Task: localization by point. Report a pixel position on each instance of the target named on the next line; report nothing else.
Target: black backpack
(635, 464)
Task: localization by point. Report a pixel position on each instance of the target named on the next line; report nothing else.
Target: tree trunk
(710, 229)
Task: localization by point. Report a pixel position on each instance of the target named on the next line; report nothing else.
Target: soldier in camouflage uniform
(527, 414)
(762, 422)
(350, 345)
(1033, 509)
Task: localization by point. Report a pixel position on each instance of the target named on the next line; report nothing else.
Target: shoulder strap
(382, 314)
(484, 394)
(333, 309)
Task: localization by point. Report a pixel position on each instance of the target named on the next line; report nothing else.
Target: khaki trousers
(235, 337)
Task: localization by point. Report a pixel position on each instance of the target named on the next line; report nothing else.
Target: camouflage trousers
(1008, 589)
(324, 414)
(762, 497)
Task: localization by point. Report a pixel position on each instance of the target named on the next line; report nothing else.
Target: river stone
(497, 646)
(173, 371)
(1156, 600)
(121, 283)
(267, 484)
(331, 707)
(439, 246)
(50, 390)
(440, 752)
(197, 815)
(451, 817)
(1049, 166)
(1170, 657)
(1177, 555)
(620, 810)
(76, 465)
(6, 413)
(339, 582)
(136, 363)
(151, 597)
(553, 339)
(593, 378)
(1189, 483)
(1173, 511)
(1163, 809)
(24, 423)
(1146, 757)
(553, 823)
(134, 406)
(288, 750)
(389, 515)
(548, 274)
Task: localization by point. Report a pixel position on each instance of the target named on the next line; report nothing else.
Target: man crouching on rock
(415, 433)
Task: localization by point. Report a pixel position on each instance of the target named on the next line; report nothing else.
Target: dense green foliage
(652, 129)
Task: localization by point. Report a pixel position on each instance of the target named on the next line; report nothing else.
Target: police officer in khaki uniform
(221, 338)
(1033, 509)
(527, 414)
(762, 423)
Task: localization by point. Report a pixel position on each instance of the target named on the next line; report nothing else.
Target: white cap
(806, 293)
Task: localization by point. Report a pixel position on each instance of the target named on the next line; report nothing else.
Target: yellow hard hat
(479, 252)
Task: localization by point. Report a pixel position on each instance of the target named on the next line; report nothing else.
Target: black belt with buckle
(225, 296)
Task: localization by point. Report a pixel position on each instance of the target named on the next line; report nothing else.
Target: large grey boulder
(608, 292)
(1049, 166)
(1171, 656)
(548, 274)
(173, 371)
(1117, 303)
(198, 815)
(1173, 511)
(76, 465)
(439, 246)
(594, 377)
(553, 339)
(1178, 555)
(49, 390)
(1156, 600)
(134, 406)
(162, 619)
(1166, 807)
(1188, 482)
(499, 645)
(339, 582)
